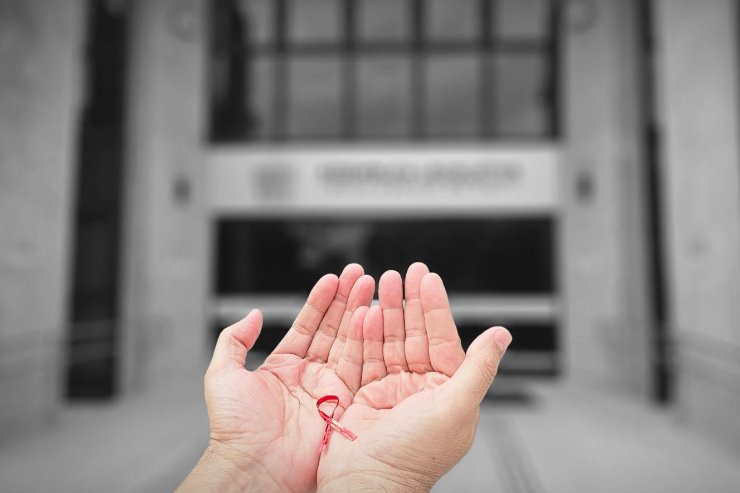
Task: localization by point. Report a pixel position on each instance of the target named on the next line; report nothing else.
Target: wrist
(381, 478)
(366, 482)
(223, 468)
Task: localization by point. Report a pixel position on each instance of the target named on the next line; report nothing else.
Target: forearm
(220, 470)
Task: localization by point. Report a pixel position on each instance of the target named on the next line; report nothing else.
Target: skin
(405, 386)
(416, 418)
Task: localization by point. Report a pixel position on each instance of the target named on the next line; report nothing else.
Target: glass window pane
(522, 18)
(383, 90)
(383, 20)
(314, 20)
(258, 15)
(452, 19)
(287, 256)
(452, 96)
(520, 103)
(261, 98)
(314, 97)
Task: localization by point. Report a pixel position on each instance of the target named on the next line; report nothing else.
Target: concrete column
(698, 70)
(606, 333)
(41, 46)
(165, 233)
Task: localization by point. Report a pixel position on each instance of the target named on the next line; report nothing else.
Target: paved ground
(571, 440)
(563, 440)
(143, 444)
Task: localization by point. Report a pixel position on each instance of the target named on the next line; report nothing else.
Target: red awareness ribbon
(331, 423)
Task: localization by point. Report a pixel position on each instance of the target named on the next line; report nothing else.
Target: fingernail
(502, 338)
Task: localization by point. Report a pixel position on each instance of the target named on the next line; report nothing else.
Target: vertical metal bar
(554, 69)
(662, 364)
(486, 69)
(349, 72)
(280, 71)
(418, 71)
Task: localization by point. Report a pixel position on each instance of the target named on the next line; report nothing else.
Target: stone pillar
(606, 332)
(165, 267)
(41, 47)
(698, 80)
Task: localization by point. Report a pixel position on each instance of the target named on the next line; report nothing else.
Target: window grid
(350, 48)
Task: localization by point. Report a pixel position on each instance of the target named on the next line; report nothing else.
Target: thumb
(235, 341)
(471, 381)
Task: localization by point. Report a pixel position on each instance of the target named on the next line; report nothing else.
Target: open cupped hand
(404, 384)
(418, 406)
(265, 421)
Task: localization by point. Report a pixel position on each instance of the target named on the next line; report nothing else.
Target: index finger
(329, 326)
(301, 333)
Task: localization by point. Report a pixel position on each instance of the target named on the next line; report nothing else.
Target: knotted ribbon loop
(331, 423)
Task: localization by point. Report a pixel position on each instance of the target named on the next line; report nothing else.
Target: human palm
(405, 388)
(414, 416)
(269, 415)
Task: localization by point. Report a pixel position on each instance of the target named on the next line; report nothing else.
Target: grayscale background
(569, 167)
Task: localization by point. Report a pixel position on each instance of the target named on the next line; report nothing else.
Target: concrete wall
(698, 71)
(606, 333)
(41, 45)
(165, 265)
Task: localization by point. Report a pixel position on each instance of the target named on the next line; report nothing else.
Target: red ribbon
(331, 423)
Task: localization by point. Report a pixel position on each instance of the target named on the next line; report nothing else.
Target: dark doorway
(91, 363)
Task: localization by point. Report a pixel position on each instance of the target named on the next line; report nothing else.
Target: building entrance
(385, 132)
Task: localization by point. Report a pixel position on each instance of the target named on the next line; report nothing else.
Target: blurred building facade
(569, 166)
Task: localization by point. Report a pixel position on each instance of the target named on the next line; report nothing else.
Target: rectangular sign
(254, 181)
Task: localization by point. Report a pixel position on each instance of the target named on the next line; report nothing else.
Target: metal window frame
(419, 47)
